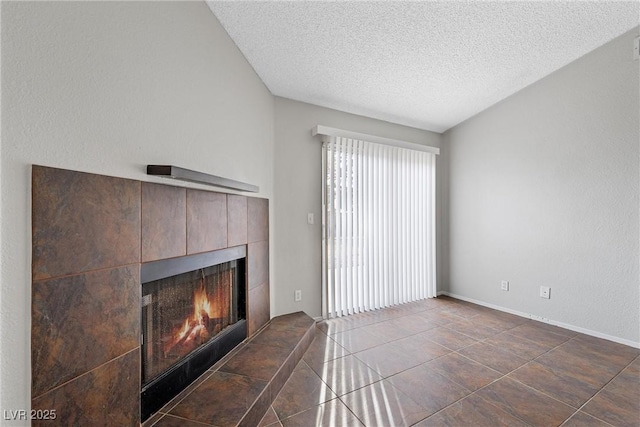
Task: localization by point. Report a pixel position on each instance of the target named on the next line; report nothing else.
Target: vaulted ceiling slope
(426, 64)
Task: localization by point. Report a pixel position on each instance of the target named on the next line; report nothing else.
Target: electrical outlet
(297, 295)
(310, 219)
(636, 48)
(545, 292)
(504, 285)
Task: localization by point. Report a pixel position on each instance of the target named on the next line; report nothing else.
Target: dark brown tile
(82, 222)
(108, 395)
(619, 402)
(381, 404)
(472, 411)
(355, 340)
(387, 360)
(173, 421)
(523, 347)
(578, 366)
(525, 403)
(259, 308)
(287, 338)
(321, 350)
(580, 419)
(427, 388)
(302, 391)
(494, 357)
(80, 322)
(298, 319)
(448, 338)
(257, 361)
(472, 329)
(420, 347)
(541, 333)
(269, 418)
(411, 324)
(440, 317)
(206, 221)
(562, 385)
(347, 374)
(283, 374)
(164, 217)
(237, 220)
(463, 371)
(330, 414)
(258, 263)
(258, 219)
(223, 399)
(601, 352)
(500, 321)
(258, 409)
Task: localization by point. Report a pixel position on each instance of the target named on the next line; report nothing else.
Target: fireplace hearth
(193, 313)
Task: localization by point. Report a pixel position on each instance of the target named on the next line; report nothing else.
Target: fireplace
(193, 313)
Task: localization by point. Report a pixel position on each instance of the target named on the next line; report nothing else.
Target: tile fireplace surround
(91, 233)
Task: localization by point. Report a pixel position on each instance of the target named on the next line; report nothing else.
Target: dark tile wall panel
(258, 261)
(82, 222)
(206, 221)
(237, 214)
(259, 308)
(80, 322)
(258, 219)
(164, 218)
(106, 396)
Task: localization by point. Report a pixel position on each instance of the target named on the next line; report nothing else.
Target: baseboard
(545, 320)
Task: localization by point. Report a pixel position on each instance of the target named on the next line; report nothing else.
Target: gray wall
(544, 191)
(108, 88)
(298, 186)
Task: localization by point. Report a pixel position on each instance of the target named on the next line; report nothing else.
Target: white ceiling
(426, 64)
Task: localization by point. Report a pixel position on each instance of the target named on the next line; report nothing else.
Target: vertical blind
(379, 226)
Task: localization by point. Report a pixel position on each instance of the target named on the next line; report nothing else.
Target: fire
(195, 327)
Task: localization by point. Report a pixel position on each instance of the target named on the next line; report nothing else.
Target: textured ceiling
(425, 64)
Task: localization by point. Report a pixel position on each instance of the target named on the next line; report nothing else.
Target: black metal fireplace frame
(165, 387)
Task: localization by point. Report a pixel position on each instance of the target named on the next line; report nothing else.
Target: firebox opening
(190, 320)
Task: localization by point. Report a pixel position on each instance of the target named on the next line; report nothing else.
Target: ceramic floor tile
(463, 371)
(257, 361)
(601, 351)
(381, 404)
(428, 388)
(523, 347)
(302, 391)
(173, 421)
(561, 385)
(577, 366)
(358, 339)
(347, 374)
(472, 329)
(387, 360)
(619, 402)
(448, 338)
(330, 414)
(580, 419)
(222, 399)
(472, 411)
(525, 403)
(269, 418)
(494, 357)
(323, 349)
(420, 348)
(543, 335)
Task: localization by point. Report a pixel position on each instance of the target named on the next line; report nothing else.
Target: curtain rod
(327, 131)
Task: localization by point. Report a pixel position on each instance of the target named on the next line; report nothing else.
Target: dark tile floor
(444, 362)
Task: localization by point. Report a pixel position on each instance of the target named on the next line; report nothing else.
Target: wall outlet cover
(545, 292)
(504, 285)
